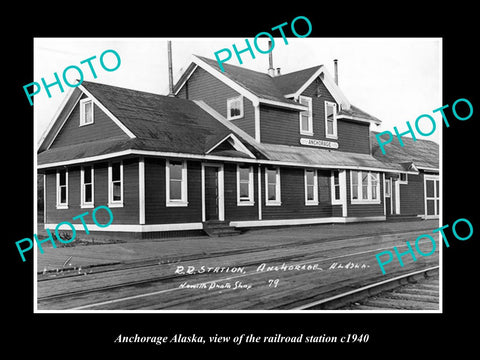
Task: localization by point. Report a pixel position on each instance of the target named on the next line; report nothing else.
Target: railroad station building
(225, 151)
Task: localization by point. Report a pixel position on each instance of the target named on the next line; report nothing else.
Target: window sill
(115, 205)
(176, 204)
(311, 203)
(277, 203)
(335, 137)
(360, 202)
(245, 203)
(62, 207)
(235, 117)
(91, 123)
(307, 133)
(87, 206)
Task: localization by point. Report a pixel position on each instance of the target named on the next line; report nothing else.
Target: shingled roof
(158, 123)
(423, 154)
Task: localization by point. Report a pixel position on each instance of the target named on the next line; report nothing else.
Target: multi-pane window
(115, 184)
(330, 120)
(176, 183)
(365, 186)
(244, 185)
(62, 189)
(306, 118)
(235, 108)
(311, 187)
(86, 183)
(86, 112)
(272, 187)
(335, 186)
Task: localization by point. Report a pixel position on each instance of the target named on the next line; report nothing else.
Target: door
(211, 193)
(432, 197)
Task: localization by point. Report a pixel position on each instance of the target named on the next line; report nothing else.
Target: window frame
(333, 185)
(111, 201)
(59, 204)
(335, 132)
(229, 107)
(83, 103)
(250, 200)
(183, 201)
(313, 201)
(309, 131)
(369, 199)
(83, 203)
(278, 200)
(404, 181)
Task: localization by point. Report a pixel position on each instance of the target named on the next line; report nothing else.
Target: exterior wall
(412, 197)
(71, 133)
(128, 214)
(282, 126)
(203, 86)
(292, 184)
(156, 211)
(364, 210)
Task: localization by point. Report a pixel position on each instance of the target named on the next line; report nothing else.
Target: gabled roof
(279, 90)
(420, 154)
(157, 123)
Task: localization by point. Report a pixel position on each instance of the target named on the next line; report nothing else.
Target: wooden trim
(214, 158)
(310, 221)
(141, 190)
(134, 227)
(183, 202)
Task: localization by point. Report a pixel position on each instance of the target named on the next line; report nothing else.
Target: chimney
(278, 71)
(271, 70)
(335, 66)
(170, 71)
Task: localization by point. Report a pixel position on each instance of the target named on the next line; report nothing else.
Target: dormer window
(306, 118)
(330, 120)
(235, 108)
(86, 112)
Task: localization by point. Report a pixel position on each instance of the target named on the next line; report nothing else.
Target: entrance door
(432, 197)
(211, 193)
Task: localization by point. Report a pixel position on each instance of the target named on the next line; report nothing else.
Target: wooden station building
(229, 149)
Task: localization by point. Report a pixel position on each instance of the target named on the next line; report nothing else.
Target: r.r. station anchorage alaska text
(263, 267)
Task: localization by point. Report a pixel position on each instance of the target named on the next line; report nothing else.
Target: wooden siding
(128, 214)
(156, 211)
(233, 212)
(203, 86)
(292, 184)
(363, 210)
(282, 126)
(72, 133)
(412, 196)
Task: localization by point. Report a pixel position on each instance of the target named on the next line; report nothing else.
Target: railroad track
(392, 294)
(153, 285)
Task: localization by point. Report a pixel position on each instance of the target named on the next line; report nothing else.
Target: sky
(393, 79)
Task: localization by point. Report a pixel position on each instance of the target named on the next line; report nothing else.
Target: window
(336, 197)
(306, 118)
(62, 189)
(86, 112)
(235, 108)
(176, 183)
(115, 184)
(365, 187)
(272, 188)
(86, 187)
(330, 120)
(388, 187)
(311, 187)
(403, 178)
(245, 185)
